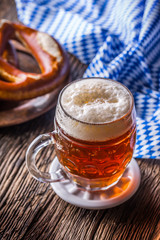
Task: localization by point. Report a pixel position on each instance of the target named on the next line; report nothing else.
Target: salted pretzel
(52, 59)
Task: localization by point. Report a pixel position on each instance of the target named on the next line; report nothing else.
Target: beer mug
(94, 135)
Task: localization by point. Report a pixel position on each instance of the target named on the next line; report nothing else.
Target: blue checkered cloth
(118, 39)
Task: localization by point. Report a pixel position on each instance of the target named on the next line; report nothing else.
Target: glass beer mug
(94, 136)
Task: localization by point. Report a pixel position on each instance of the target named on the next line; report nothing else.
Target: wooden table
(31, 210)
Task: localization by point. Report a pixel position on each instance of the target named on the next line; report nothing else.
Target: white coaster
(109, 198)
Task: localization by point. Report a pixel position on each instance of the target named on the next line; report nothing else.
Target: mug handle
(38, 143)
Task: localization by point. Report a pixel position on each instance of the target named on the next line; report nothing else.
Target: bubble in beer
(96, 101)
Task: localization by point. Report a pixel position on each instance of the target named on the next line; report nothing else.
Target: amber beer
(96, 131)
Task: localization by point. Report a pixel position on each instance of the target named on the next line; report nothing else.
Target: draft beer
(94, 136)
(95, 131)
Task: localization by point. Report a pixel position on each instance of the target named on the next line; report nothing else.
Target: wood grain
(31, 210)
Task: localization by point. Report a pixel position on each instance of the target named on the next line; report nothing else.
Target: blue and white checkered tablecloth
(118, 39)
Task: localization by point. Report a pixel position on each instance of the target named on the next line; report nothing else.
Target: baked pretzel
(49, 54)
(10, 54)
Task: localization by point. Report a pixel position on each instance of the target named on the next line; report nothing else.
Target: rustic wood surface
(31, 210)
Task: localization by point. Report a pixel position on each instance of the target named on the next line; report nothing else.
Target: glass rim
(97, 123)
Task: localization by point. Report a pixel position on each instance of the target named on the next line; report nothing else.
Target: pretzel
(10, 54)
(49, 54)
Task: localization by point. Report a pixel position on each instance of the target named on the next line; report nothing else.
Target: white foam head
(94, 105)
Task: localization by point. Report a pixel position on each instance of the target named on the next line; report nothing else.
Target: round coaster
(114, 196)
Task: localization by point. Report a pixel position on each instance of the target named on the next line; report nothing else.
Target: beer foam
(96, 104)
(97, 101)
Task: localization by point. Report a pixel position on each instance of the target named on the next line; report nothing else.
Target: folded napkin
(118, 39)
